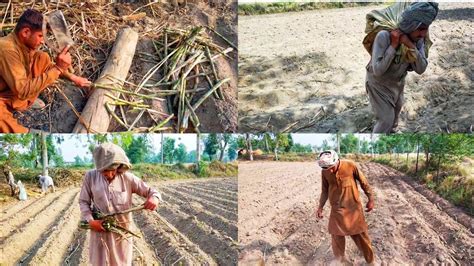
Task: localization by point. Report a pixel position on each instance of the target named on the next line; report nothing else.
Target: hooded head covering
(108, 154)
(327, 159)
(416, 14)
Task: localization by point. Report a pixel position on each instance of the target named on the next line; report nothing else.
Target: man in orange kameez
(25, 71)
(347, 217)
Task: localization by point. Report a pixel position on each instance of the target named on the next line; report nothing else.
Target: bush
(454, 182)
(203, 169)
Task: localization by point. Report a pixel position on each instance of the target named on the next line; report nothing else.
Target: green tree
(191, 157)
(280, 141)
(180, 153)
(138, 149)
(78, 161)
(299, 148)
(11, 147)
(223, 140)
(168, 149)
(325, 146)
(233, 147)
(211, 145)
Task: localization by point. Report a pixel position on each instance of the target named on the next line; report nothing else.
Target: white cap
(327, 159)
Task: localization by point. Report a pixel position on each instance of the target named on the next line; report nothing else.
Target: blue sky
(75, 145)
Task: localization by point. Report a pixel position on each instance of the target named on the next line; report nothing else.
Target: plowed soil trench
(196, 224)
(277, 223)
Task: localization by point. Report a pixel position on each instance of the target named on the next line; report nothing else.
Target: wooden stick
(118, 65)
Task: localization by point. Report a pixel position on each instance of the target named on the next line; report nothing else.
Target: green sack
(388, 19)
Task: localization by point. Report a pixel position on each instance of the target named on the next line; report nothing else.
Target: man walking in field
(108, 189)
(347, 217)
(25, 71)
(393, 54)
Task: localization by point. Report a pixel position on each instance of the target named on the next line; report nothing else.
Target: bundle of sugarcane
(110, 223)
(187, 76)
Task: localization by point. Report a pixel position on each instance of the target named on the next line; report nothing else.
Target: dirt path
(184, 231)
(277, 201)
(296, 66)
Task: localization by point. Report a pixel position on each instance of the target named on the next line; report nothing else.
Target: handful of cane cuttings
(110, 223)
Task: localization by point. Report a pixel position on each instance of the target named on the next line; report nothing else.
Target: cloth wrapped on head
(327, 159)
(108, 154)
(417, 14)
(390, 19)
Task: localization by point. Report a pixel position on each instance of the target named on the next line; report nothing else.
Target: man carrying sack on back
(339, 185)
(25, 71)
(398, 42)
(108, 189)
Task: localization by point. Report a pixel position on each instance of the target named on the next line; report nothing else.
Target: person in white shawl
(109, 189)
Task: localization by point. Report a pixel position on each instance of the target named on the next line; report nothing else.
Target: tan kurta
(105, 247)
(24, 73)
(347, 215)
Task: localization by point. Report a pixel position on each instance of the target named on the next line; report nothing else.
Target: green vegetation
(22, 155)
(282, 7)
(444, 162)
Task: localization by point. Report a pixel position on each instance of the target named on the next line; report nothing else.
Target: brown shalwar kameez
(106, 248)
(24, 74)
(347, 216)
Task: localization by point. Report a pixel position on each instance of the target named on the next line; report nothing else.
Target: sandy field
(277, 222)
(305, 71)
(196, 224)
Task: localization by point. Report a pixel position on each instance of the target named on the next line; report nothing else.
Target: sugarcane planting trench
(409, 225)
(196, 224)
(305, 72)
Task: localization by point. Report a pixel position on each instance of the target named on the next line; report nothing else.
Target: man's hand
(96, 225)
(319, 213)
(395, 38)
(407, 42)
(80, 81)
(151, 203)
(369, 206)
(64, 60)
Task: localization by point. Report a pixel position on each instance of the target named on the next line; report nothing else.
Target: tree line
(435, 147)
(42, 150)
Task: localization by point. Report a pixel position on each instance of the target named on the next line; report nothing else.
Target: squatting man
(25, 71)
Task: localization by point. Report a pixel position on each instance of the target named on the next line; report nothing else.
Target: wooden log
(95, 114)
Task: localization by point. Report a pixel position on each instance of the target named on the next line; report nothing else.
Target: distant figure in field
(46, 182)
(339, 185)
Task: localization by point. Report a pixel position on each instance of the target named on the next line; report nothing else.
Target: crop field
(196, 224)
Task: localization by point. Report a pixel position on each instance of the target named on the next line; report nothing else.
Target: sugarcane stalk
(105, 87)
(224, 38)
(214, 72)
(166, 53)
(136, 119)
(124, 117)
(119, 101)
(205, 96)
(109, 110)
(160, 125)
